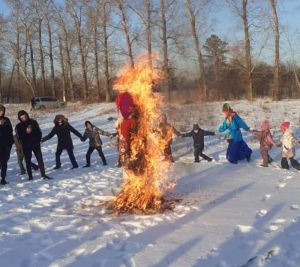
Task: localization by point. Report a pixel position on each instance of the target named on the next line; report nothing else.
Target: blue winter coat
(233, 128)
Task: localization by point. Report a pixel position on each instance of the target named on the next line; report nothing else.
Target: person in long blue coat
(237, 147)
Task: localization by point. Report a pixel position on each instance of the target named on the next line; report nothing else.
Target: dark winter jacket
(198, 137)
(94, 136)
(63, 133)
(6, 131)
(28, 140)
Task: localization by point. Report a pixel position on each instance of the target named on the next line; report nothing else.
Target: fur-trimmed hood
(60, 117)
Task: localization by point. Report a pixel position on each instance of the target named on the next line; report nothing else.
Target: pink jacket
(265, 138)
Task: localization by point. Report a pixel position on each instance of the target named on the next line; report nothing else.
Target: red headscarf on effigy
(124, 102)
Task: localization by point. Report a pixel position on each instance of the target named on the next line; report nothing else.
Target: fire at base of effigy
(141, 143)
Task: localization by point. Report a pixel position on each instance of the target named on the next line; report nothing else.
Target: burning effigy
(141, 144)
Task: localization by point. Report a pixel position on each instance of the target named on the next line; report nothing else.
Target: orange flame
(145, 171)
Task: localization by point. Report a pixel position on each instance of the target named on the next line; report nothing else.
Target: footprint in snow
(281, 185)
(266, 197)
(295, 207)
(275, 225)
(272, 228)
(261, 213)
(243, 229)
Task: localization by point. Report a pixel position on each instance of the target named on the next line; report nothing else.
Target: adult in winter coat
(6, 141)
(288, 142)
(63, 131)
(237, 148)
(198, 137)
(30, 134)
(20, 156)
(93, 134)
(266, 142)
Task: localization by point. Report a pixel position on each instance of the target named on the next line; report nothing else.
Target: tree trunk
(1, 89)
(106, 55)
(149, 31)
(82, 55)
(96, 53)
(62, 66)
(275, 92)
(165, 49)
(197, 45)
(25, 52)
(18, 56)
(126, 32)
(70, 68)
(42, 57)
(32, 66)
(247, 52)
(10, 82)
(51, 57)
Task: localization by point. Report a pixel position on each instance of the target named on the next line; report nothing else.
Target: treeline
(73, 49)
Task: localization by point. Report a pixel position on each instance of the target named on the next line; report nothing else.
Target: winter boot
(22, 172)
(86, 166)
(44, 176)
(4, 182)
(295, 164)
(34, 166)
(284, 163)
(57, 167)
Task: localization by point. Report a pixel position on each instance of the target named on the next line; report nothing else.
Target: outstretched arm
(101, 132)
(223, 127)
(85, 136)
(189, 134)
(49, 136)
(74, 131)
(241, 123)
(176, 132)
(205, 133)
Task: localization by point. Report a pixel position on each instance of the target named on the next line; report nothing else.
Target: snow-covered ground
(229, 215)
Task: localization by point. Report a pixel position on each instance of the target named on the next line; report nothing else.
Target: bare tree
(76, 13)
(166, 70)
(240, 7)
(38, 5)
(62, 66)
(94, 13)
(125, 27)
(66, 46)
(275, 91)
(197, 45)
(145, 14)
(106, 35)
(48, 18)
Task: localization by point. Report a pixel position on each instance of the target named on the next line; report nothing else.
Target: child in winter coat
(266, 142)
(198, 136)
(288, 142)
(93, 133)
(63, 131)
